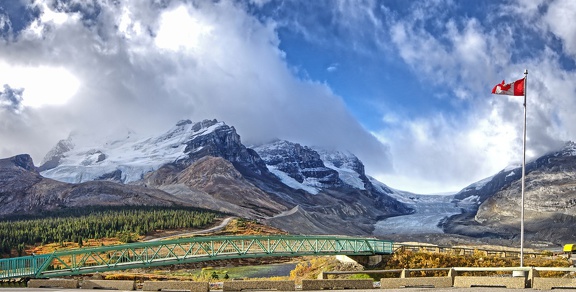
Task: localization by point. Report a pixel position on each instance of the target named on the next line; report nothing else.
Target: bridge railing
(186, 250)
(26, 266)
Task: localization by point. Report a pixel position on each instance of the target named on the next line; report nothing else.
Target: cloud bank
(144, 65)
(429, 125)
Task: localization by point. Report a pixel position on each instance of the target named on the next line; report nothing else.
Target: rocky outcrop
(219, 179)
(217, 139)
(54, 156)
(301, 163)
(549, 202)
(205, 164)
(24, 191)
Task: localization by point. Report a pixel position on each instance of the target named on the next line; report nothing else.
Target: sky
(404, 85)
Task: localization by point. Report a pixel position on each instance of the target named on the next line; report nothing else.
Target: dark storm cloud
(11, 98)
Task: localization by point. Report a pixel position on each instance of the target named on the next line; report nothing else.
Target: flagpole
(523, 176)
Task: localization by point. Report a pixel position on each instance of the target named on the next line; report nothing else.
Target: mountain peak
(24, 161)
(128, 160)
(298, 166)
(183, 122)
(569, 149)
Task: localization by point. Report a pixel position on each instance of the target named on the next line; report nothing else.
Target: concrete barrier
(476, 281)
(260, 285)
(540, 283)
(53, 283)
(109, 284)
(176, 285)
(395, 283)
(337, 284)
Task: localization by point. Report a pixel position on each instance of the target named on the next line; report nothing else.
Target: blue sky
(405, 85)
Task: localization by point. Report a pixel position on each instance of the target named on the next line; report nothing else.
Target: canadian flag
(514, 88)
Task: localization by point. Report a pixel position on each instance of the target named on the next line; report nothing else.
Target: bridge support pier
(366, 261)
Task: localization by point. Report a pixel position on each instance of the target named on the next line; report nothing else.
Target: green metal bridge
(184, 250)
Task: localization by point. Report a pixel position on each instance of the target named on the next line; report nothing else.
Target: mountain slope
(217, 178)
(205, 164)
(24, 191)
(550, 202)
(353, 199)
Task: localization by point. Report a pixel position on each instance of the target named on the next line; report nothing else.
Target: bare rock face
(54, 156)
(204, 164)
(17, 174)
(24, 191)
(219, 179)
(549, 203)
(300, 163)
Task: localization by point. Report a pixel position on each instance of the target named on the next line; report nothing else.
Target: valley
(429, 212)
(288, 186)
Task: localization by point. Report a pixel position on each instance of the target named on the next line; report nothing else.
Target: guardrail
(517, 277)
(467, 250)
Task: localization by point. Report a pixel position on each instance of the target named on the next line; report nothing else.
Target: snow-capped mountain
(299, 167)
(24, 191)
(129, 158)
(295, 187)
(312, 169)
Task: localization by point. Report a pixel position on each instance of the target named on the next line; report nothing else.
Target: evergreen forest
(96, 222)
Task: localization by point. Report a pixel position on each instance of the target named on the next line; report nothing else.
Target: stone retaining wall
(53, 283)
(337, 284)
(436, 282)
(109, 284)
(264, 285)
(472, 281)
(176, 285)
(549, 283)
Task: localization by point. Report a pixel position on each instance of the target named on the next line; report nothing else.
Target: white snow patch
(512, 167)
(471, 200)
(480, 184)
(287, 180)
(347, 175)
(345, 171)
(134, 157)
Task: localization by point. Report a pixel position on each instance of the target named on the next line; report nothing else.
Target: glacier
(429, 211)
(132, 155)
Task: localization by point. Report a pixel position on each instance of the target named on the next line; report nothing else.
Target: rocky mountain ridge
(24, 191)
(549, 201)
(205, 164)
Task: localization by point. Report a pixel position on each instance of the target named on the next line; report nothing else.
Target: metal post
(523, 176)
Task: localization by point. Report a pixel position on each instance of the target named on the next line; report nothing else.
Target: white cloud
(560, 20)
(449, 150)
(332, 67)
(214, 61)
(180, 30)
(44, 85)
(260, 3)
(144, 66)
(438, 153)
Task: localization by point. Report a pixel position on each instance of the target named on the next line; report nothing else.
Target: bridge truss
(184, 250)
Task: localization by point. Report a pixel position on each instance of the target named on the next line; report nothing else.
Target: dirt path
(221, 226)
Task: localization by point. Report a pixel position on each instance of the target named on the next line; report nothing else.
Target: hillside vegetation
(126, 224)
